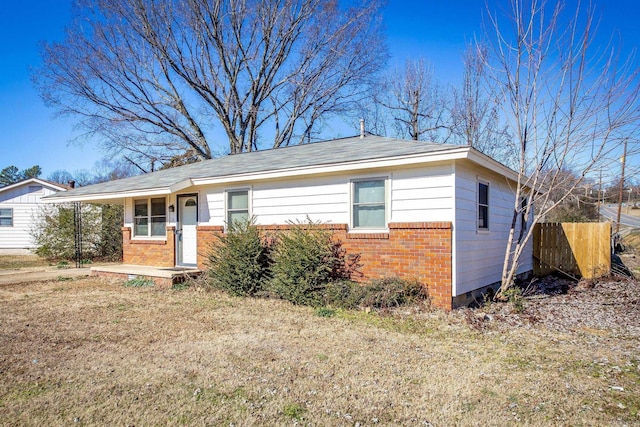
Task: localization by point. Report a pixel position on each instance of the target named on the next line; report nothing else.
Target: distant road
(611, 213)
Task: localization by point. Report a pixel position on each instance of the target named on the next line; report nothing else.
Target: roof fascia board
(414, 159)
(29, 181)
(489, 163)
(181, 185)
(106, 196)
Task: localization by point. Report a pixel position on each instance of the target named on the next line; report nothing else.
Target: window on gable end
(483, 205)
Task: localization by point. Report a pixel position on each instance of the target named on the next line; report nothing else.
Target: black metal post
(77, 222)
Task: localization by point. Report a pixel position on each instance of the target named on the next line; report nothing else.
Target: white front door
(187, 234)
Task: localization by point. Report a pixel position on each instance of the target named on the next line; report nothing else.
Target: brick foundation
(416, 250)
(160, 282)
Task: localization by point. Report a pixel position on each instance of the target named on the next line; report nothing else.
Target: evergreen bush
(392, 292)
(239, 260)
(306, 259)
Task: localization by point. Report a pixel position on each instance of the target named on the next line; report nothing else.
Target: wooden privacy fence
(575, 249)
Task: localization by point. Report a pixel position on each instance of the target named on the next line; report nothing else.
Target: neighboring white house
(439, 213)
(19, 204)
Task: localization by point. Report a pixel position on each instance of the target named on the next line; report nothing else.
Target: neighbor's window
(6, 217)
(237, 206)
(369, 204)
(150, 217)
(483, 206)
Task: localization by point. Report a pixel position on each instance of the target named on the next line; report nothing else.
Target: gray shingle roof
(314, 154)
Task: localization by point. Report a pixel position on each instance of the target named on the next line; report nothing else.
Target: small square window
(6, 217)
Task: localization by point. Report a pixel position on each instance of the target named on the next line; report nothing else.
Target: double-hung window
(369, 206)
(150, 217)
(483, 205)
(6, 217)
(237, 206)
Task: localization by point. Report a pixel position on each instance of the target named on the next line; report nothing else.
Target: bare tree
(475, 111)
(60, 176)
(372, 112)
(154, 78)
(569, 106)
(415, 102)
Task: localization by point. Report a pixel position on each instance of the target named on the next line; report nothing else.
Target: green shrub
(181, 286)
(294, 410)
(53, 231)
(377, 294)
(515, 297)
(306, 259)
(344, 294)
(325, 312)
(392, 292)
(239, 261)
(138, 282)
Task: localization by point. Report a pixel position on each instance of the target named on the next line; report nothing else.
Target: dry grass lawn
(19, 262)
(92, 352)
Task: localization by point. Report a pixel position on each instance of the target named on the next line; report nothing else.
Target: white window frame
(10, 216)
(487, 206)
(387, 204)
(227, 193)
(149, 217)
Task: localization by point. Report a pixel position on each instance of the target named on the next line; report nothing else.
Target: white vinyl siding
(25, 207)
(422, 194)
(324, 200)
(479, 255)
(417, 194)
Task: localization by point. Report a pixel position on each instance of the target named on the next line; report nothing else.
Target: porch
(164, 277)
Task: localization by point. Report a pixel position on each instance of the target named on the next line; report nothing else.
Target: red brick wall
(206, 236)
(415, 250)
(157, 253)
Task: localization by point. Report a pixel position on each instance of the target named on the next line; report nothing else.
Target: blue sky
(434, 29)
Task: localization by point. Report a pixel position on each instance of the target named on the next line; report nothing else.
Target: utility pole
(624, 159)
(599, 193)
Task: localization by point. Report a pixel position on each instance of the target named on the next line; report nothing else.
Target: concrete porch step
(161, 276)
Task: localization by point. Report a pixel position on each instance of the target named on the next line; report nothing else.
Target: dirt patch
(92, 352)
(606, 305)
